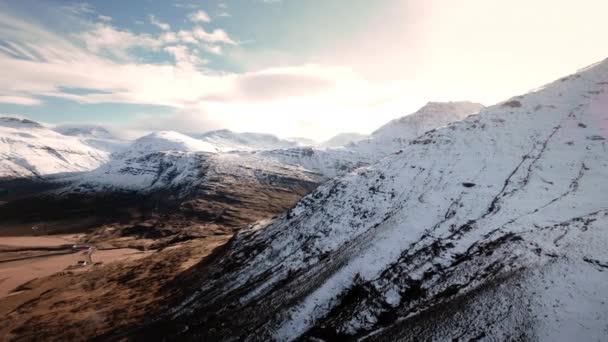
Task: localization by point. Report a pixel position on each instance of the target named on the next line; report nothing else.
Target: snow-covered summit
(388, 139)
(430, 116)
(7, 121)
(168, 141)
(226, 140)
(93, 135)
(344, 139)
(85, 131)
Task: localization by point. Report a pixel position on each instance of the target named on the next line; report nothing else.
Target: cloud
(115, 42)
(283, 83)
(183, 58)
(214, 49)
(223, 10)
(21, 100)
(187, 37)
(159, 24)
(104, 18)
(287, 101)
(199, 17)
(216, 36)
(79, 8)
(183, 5)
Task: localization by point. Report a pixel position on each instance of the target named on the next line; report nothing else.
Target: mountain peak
(84, 131)
(169, 140)
(430, 116)
(452, 106)
(12, 122)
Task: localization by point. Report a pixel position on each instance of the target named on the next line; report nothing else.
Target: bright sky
(310, 68)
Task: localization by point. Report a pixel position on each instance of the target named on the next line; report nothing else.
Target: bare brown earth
(80, 305)
(148, 247)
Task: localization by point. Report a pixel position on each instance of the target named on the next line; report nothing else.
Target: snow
(520, 186)
(344, 139)
(168, 141)
(226, 141)
(93, 135)
(85, 131)
(388, 139)
(29, 149)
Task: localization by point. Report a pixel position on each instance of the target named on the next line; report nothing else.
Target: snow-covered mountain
(300, 141)
(388, 139)
(167, 159)
(430, 116)
(93, 135)
(29, 149)
(344, 139)
(225, 140)
(84, 131)
(167, 141)
(491, 228)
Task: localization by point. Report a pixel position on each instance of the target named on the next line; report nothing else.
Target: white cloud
(187, 37)
(184, 58)
(104, 18)
(216, 36)
(186, 5)
(21, 100)
(115, 42)
(199, 17)
(158, 23)
(214, 49)
(79, 8)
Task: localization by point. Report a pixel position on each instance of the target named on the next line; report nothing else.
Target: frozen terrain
(29, 149)
(388, 139)
(225, 140)
(490, 228)
(163, 160)
(343, 139)
(96, 136)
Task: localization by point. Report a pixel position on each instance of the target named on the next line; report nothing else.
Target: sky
(293, 68)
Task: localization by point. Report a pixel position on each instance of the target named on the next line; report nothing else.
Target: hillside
(29, 149)
(493, 227)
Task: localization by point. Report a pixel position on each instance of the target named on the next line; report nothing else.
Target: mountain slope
(491, 227)
(343, 139)
(96, 136)
(430, 116)
(226, 140)
(388, 139)
(29, 149)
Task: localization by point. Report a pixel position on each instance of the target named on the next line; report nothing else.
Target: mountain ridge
(516, 193)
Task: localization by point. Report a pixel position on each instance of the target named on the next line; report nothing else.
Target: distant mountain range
(31, 149)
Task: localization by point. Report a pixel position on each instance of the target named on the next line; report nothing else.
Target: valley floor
(42, 291)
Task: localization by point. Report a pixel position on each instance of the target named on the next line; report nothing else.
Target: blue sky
(309, 68)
